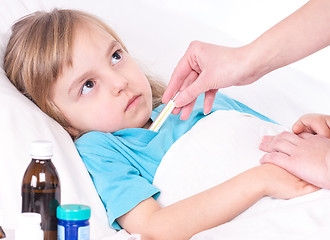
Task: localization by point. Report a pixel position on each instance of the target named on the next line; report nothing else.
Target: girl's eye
(88, 86)
(116, 57)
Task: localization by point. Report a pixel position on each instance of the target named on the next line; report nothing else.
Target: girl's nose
(118, 84)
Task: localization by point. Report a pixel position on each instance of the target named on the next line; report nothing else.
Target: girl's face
(104, 90)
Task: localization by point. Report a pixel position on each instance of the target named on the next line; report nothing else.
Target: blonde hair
(38, 49)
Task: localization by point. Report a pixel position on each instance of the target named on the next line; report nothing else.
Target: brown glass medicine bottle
(41, 191)
(2, 233)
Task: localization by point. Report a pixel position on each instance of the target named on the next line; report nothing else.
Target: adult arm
(206, 67)
(299, 35)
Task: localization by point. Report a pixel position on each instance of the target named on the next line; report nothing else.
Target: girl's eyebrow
(111, 47)
(76, 82)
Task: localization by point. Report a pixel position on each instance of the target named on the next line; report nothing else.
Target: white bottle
(28, 227)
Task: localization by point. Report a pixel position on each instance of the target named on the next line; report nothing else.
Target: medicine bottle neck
(41, 161)
(38, 166)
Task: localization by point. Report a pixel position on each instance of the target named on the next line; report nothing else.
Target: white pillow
(21, 122)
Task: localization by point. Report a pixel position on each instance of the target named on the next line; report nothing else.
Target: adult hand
(313, 123)
(206, 68)
(306, 156)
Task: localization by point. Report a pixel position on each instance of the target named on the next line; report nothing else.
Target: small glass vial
(2, 232)
(73, 222)
(28, 227)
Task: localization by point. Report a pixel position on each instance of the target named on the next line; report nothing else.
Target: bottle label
(44, 200)
(83, 233)
(60, 232)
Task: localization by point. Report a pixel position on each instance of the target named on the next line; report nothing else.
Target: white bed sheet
(144, 26)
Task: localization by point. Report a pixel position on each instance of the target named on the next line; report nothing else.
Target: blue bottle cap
(73, 212)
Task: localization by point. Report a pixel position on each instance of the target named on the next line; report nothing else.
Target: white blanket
(221, 146)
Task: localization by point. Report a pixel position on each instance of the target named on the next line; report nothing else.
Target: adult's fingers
(209, 99)
(192, 91)
(300, 127)
(186, 110)
(189, 107)
(179, 75)
(313, 123)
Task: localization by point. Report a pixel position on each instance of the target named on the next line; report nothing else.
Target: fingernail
(178, 102)
(206, 113)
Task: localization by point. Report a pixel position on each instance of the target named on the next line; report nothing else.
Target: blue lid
(73, 212)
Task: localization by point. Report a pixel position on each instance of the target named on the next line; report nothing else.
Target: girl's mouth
(133, 102)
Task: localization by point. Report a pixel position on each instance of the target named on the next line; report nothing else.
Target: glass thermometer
(155, 126)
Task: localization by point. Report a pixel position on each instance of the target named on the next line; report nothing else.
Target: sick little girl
(77, 70)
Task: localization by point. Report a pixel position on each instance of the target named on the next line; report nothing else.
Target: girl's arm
(214, 206)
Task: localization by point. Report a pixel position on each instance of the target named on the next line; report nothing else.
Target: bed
(157, 33)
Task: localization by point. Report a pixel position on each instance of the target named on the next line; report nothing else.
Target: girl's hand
(305, 155)
(313, 123)
(279, 183)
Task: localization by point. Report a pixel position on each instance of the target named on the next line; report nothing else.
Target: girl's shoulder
(97, 148)
(94, 141)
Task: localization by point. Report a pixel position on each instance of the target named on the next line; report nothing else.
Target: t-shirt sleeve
(118, 183)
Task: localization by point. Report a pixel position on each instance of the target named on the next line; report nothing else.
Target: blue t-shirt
(123, 164)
